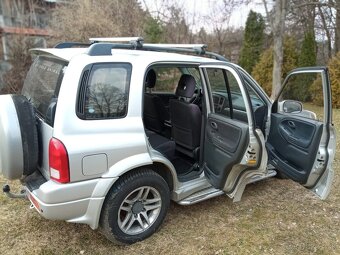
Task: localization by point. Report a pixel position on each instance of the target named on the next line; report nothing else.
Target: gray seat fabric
(155, 113)
(186, 118)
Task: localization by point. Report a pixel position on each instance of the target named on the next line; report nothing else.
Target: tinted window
(106, 93)
(42, 83)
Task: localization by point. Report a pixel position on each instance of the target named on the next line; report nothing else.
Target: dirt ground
(274, 217)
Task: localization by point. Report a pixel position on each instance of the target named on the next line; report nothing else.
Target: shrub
(263, 71)
(20, 60)
(334, 73)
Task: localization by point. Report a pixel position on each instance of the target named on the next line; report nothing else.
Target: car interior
(173, 118)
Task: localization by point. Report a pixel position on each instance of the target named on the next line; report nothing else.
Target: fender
(92, 215)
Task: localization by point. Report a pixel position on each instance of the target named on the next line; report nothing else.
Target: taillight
(58, 161)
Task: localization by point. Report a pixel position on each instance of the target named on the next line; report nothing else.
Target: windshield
(42, 83)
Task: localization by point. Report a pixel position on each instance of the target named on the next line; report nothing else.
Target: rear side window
(104, 91)
(42, 83)
(168, 77)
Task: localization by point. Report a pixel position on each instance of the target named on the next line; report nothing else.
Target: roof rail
(116, 39)
(198, 49)
(64, 45)
(103, 47)
(186, 46)
(135, 41)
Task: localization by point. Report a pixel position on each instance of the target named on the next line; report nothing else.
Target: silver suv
(107, 133)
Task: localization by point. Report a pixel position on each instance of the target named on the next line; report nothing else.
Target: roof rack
(64, 45)
(186, 46)
(104, 46)
(116, 39)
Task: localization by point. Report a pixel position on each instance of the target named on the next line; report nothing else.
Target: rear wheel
(135, 207)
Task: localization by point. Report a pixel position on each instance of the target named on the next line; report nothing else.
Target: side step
(201, 196)
(236, 194)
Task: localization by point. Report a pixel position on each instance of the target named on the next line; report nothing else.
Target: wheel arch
(159, 167)
(125, 181)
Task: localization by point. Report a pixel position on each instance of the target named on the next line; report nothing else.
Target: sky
(203, 8)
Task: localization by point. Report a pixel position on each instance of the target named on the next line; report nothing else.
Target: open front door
(301, 142)
(233, 147)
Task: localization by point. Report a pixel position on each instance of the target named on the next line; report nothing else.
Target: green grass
(274, 217)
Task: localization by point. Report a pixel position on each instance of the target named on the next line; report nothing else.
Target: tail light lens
(58, 161)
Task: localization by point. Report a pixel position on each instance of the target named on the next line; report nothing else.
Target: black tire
(124, 189)
(29, 133)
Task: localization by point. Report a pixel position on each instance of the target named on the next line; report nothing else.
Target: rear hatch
(41, 87)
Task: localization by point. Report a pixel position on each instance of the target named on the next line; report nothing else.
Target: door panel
(293, 143)
(299, 143)
(225, 143)
(300, 133)
(233, 149)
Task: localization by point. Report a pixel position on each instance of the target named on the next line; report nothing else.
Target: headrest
(186, 86)
(150, 80)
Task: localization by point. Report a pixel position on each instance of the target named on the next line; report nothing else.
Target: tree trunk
(278, 26)
(337, 27)
(328, 33)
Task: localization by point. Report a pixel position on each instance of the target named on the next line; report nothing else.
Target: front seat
(155, 112)
(186, 118)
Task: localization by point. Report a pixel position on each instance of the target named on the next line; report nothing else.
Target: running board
(201, 196)
(247, 179)
(236, 194)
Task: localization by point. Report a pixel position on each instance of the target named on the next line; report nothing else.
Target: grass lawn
(274, 217)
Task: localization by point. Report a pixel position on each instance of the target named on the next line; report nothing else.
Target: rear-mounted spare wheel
(18, 137)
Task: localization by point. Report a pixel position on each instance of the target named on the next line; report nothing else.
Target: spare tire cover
(18, 136)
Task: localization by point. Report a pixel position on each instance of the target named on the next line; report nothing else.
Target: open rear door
(301, 142)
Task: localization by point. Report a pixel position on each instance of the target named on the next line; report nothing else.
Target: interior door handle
(291, 124)
(214, 125)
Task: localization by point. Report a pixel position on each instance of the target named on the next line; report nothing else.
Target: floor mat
(182, 166)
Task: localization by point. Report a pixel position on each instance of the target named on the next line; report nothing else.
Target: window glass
(302, 95)
(107, 91)
(224, 87)
(42, 83)
(168, 78)
(256, 100)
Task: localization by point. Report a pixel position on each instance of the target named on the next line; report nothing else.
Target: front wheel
(135, 207)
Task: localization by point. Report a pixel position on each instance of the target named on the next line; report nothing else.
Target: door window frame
(206, 87)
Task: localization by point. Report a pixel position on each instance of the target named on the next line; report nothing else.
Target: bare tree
(78, 20)
(277, 24)
(219, 18)
(337, 26)
(20, 60)
(326, 28)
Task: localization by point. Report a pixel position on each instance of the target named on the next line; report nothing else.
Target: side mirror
(291, 106)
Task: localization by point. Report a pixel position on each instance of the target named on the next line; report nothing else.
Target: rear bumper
(59, 211)
(78, 202)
